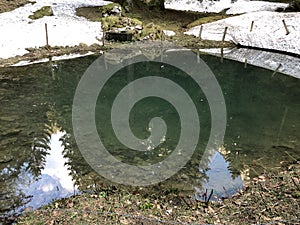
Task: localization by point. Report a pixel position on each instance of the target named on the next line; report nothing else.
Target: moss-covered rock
(110, 22)
(44, 11)
(132, 27)
(112, 9)
(151, 31)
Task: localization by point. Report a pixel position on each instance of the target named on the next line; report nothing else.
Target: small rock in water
(8, 118)
(6, 158)
(8, 141)
(11, 132)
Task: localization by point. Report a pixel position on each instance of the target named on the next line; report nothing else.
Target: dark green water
(263, 129)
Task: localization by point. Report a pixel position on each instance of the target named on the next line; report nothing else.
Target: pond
(40, 160)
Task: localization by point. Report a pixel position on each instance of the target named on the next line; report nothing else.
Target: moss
(44, 11)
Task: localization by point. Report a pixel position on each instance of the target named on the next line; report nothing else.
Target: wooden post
(224, 34)
(162, 37)
(276, 70)
(47, 41)
(200, 32)
(222, 55)
(252, 24)
(246, 61)
(198, 57)
(103, 35)
(105, 63)
(286, 28)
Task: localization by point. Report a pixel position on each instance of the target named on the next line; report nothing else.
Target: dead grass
(273, 197)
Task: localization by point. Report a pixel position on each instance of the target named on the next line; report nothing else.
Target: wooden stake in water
(276, 70)
(224, 34)
(286, 28)
(245, 65)
(162, 36)
(161, 54)
(281, 124)
(47, 41)
(200, 32)
(251, 27)
(105, 63)
(222, 55)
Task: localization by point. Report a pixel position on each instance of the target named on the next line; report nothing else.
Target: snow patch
(233, 6)
(64, 28)
(169, 33)
(268, 30)
(273, 61)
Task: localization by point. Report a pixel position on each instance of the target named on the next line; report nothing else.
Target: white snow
(242, 6)
(169, 33)
(268, 30)
(273, 61)
(235, 7)
(64, 28)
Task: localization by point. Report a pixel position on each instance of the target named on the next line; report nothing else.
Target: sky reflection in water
(54, 181)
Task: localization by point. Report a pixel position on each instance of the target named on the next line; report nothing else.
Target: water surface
(39, 159)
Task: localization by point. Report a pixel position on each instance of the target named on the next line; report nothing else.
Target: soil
(9, 5)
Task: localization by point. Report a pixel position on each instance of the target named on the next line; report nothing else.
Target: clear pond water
(40, 161)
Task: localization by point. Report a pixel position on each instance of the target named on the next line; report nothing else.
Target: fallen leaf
(70, 204)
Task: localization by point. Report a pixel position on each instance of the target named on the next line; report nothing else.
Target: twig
(207, 201)
(228, 196)
(262, 198)
(186, 202)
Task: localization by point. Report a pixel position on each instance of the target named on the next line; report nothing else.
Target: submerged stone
(8, 118)
(6, 158)
(11, 132)
(8, 141)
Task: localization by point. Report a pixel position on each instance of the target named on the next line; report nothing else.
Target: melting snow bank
(268, 31)
(65, 28)
(233, 6)
(54, 58)
(273, 61)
